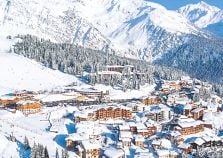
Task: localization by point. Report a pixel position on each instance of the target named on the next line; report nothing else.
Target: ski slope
(20, 73)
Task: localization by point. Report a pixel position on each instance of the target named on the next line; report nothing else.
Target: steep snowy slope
(136, 27)
(146, 28)
(49, 19)
(205, 16)
(18, 73)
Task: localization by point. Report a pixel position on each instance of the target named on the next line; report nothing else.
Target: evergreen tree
(34, 151)
(26, 143)
(57, 153)
(46, 154)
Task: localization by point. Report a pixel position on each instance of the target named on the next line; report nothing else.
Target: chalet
(92, 93)
(185, 147)
(197, 113)
(163, 153)
(187, 110)
(116, 68)
(91, 149)
(143, 153)
(188, 126)
(197, 143)
(143, 130)
(158, 113)
(9, 100)
(136, 106)
(177, 98)
(103, 113)
(73, 140)
(86, 115)
(186, 82)
(133, 127)
(113, 71)
(29, 106)
(139, 141)
(208, 125)
(161, 143)
(151, 129)
(151, 100)
(125, 138)
(175, 136)
(112, 112)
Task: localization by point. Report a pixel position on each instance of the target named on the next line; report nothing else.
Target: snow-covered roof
(125, 134)
(141, 126)
(185, 124)
(199, 141)
(23, 102)
(77, 137)
(139, 138)
(197, 110)
(7, 97)
(124, 127)
(88, 145)
(184, 146)
(113, 153)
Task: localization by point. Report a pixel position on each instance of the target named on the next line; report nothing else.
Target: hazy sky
(175, 4)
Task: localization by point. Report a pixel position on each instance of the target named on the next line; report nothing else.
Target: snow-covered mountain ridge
(132, 28)
(204, 16)
(135, 27)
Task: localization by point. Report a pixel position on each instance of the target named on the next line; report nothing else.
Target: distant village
(179, 118)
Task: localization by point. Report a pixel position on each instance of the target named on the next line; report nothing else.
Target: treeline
(75, 59)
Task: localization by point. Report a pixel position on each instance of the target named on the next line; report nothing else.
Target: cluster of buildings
(128, 76)
(174, 121)
(181, 118)
(22, 101)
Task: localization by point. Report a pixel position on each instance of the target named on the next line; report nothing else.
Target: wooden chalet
(90, 149)
(186, 148)
(139, 141)
(29, 107)
(151, 100)
(197, 113)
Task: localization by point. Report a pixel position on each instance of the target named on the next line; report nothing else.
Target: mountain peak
(201, 14)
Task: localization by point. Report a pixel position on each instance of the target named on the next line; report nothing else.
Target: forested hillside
(75, 60)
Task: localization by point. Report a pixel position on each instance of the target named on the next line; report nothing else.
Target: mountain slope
(204, 16)
(135, 27)
(200, 57)
(49, 19)
(19, 73)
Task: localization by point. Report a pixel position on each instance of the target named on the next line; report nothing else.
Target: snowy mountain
(19, 73)
(49, 19)
(204, 16)
(135, 27)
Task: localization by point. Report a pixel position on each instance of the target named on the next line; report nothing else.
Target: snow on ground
(35, 127)
(117, 93)
(54, 97)
(19, 73)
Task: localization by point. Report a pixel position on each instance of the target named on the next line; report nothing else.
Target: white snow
(128, 26)
(202, 14)
(35, 128)
(20, 73)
